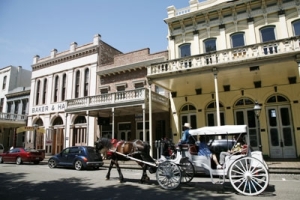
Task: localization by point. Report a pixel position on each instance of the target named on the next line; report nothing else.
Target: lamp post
(257, 110)
(34, 135)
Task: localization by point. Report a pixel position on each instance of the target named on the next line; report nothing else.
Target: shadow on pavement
(13, 186)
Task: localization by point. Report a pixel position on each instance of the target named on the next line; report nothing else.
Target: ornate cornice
(65, 58)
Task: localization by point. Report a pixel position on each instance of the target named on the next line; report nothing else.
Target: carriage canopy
(220, 130)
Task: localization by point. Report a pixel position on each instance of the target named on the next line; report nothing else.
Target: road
(38, 182)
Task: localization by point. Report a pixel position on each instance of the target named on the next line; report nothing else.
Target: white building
(66, 75)
(14, 96)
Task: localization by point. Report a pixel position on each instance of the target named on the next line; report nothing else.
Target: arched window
(80, 120)
(86, 82)
(184, 50)
(63, 89)
(77, 82)
(296, 27)
(56, 88)
(58, 121)
(44, 91)
(37, 92)
(267, 33)
(237, 39)
(210, 45)
(277, 99)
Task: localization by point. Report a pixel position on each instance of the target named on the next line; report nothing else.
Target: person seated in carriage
(204, 151)
(240, 147)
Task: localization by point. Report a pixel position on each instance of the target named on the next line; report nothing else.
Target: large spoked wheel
(187, 171)
(168, 175)
(249, 176)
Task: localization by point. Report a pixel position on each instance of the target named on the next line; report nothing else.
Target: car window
(66, 151)
(74, 150)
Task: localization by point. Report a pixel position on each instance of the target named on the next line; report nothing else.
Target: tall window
(1, 104)
(237, 40)
(9, 104)
(56, 88)
(17, 107)
(63, 89)
(86, 82)
(185, 50)
(44, 91)
(210, 45)
(37, 97)
(296, 26)
(77, 81)
(267, 33)
(24, 106)
(4, 82)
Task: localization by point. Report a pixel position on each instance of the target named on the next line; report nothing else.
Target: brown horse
(136, 149)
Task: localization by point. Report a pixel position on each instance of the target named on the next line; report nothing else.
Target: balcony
(11, 120)
(119, 99)
(275, 50)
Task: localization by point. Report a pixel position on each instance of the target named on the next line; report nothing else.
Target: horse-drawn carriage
(248, 173)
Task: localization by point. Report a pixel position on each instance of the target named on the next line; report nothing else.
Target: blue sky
(35, 27)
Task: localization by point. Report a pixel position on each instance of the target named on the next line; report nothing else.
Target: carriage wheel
(187, 171)
(168, 175)
(249, 176)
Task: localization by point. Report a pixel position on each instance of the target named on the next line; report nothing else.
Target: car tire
(19, 161)
(78, 165)
(1, 159)
(52, 163)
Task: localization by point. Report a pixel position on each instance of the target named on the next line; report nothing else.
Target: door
(247, 116)
(281, 136)
(124, 131)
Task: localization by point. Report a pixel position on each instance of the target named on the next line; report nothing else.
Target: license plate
(36, 158)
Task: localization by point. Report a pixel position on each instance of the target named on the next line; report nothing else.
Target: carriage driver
(186, 134)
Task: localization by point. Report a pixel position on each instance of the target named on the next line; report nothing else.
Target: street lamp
(34, 135)
(257, 110)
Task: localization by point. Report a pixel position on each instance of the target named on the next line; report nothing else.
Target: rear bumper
(94, 164)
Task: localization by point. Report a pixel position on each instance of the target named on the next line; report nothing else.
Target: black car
(78, 157)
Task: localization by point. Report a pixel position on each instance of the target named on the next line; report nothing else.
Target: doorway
(281, 136)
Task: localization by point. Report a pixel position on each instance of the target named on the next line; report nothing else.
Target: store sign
(30, 128)
(48, 108)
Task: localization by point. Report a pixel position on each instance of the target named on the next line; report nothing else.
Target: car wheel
(78, 165)
(19, 161)
(1, 159)
(52, 163)
(36, 162)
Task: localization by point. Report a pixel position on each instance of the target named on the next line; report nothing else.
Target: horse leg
(121, 178)
(145, 177)
(110, 167)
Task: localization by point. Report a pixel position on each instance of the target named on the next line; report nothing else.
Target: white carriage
(247, 173)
